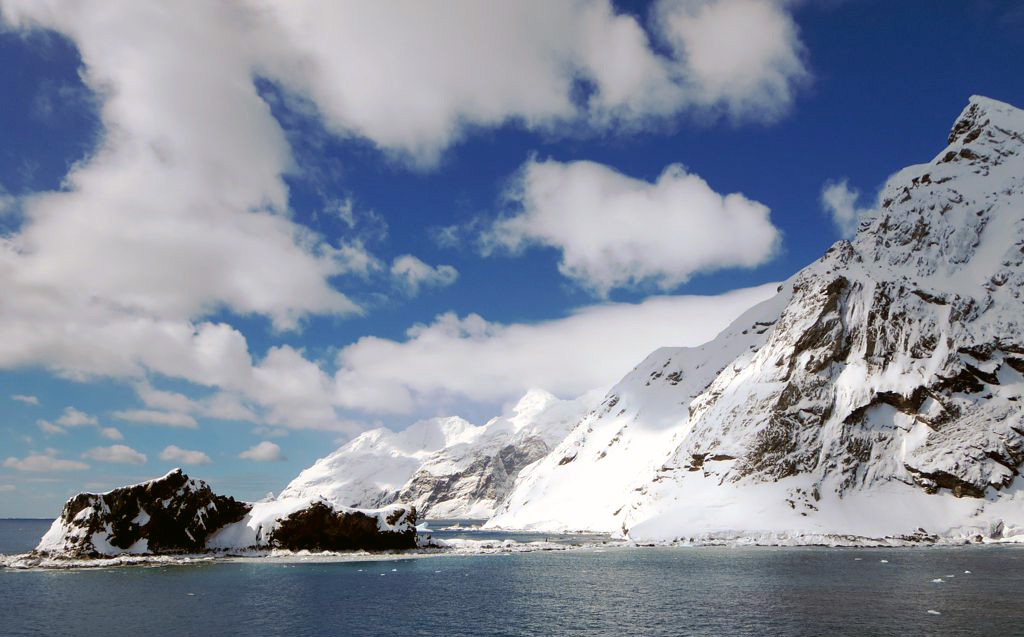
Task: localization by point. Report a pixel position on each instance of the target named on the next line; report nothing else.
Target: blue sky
(250, 221)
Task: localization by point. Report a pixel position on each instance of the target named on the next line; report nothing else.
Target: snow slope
(877, 395)
(445, 467)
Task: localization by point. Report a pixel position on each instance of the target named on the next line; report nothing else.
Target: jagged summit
(981, 112)
(446, 467)
(879, 393)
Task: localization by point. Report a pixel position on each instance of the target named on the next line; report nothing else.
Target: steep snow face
(445, 467)
(879, 394)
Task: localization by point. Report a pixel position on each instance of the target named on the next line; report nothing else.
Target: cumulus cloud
(48, 427)
(411, 274)
(104, 278)
(44, 462)
(153, 417)
(173, 453)
(28, 400)
(111, 433)
(71, 417)
(219, 405)
(744, 55)
(459, 358)
(840, 203)
(121, 454)
(615, 231)
(263, 452)
(75, 418)
(487, 64)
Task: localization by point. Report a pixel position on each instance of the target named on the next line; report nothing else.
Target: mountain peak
(533, 401)
(982, 111)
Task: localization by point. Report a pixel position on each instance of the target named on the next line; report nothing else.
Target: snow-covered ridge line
(445, 467)
(175, 514)
(878, 395)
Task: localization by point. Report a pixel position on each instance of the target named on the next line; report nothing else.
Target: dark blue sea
(588, 591)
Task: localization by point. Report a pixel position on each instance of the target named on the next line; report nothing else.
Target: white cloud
(166, 400)
(227, 406)
(75, 418)
(298, 391)
(220, 405)
(615, 231)
(149, 416)
(744, 55)
(263, 452)
(111, 433)
(121, 454)
(470, 358)
(71, 417)
(42, 462)
(840, 202)
(185, 120)
(411, 274)
(472, 64)
(173, 453)
(48, 427)
(104, 278)
(29, 400)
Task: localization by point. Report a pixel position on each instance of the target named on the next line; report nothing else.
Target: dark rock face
(173, 514)
(320, 528)
(488, 478)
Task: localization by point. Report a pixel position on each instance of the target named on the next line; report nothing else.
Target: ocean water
(600, 591)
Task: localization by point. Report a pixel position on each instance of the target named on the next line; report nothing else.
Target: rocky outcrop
(176, 514)
(172, 514)
(321, 528)
(879, 393)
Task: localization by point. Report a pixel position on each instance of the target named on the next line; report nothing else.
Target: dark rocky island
(176, 514)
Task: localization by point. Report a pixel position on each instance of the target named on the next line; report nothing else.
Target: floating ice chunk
(951, 576)
(967, 572)
(394, 570)
(857, 559)
(933, 612)
(190, 594)
(884, 561)
(937, 580)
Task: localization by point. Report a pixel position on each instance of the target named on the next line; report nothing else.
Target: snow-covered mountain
(879, 394)
(445, 467)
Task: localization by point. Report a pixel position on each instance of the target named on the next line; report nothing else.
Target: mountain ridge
(877, 395)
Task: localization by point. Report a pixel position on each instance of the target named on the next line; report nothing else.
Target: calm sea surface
(613, 591)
